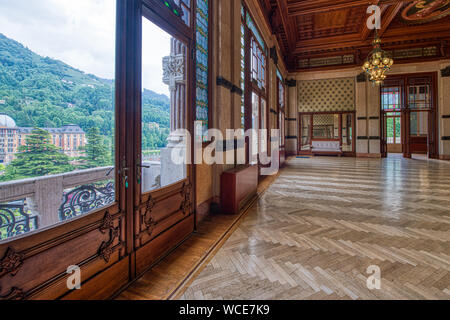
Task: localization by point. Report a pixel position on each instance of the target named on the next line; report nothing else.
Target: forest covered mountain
(39, 91)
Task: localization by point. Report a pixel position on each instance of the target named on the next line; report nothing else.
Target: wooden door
(78, 223)
(422, 115)
(393, 122)
(164, 207)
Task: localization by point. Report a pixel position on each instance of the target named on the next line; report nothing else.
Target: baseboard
(369, 155)
(444, 157)
(204, 209)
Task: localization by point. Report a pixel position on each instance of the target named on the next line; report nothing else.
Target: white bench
(326, 148)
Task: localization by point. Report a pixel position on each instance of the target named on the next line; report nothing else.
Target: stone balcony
(30, 204)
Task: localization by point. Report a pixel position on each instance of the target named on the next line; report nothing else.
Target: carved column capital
(174, 70)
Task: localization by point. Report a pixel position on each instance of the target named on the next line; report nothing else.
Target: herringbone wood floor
(325, 220)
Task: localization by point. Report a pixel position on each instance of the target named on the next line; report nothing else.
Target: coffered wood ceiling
(322, 29)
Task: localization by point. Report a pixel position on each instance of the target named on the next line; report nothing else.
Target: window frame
(251, 85)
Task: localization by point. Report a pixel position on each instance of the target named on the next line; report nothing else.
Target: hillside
(42, 92)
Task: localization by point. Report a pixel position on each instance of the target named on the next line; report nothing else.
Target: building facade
(69, 138)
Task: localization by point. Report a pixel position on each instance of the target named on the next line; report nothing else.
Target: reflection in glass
(419, 124)
(325, 126)
(306, 133)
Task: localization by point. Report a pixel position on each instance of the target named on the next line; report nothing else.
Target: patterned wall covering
(326, 95)
(323, 120)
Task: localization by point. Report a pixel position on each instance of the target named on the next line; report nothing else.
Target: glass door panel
(393, 132)
(57, 119)
(164, 145)
(263, 136)
(255, 127)
(164, 206)
(392, 106)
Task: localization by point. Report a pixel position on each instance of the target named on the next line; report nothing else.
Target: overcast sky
(81, 33)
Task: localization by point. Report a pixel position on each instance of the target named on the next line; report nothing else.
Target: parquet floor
(324, 221)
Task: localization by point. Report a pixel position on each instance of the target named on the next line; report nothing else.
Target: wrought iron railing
(14, 220)
(29, 204)
(85, 199)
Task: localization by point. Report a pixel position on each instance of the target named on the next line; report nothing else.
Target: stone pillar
(373, 120)
(292, 122)
(362, 144)
(444, 113)
(47, 199)
(174, 67)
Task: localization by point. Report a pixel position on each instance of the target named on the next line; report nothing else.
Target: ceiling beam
(389, 16)
(354, 41)
(321, 6)
(287, 25)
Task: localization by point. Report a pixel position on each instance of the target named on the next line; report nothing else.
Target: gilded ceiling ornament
(425, 11)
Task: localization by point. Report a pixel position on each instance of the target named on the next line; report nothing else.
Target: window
(70, 84)
(164, 111)
(281, 108)
(390, 98)
(242, 82)
(254, 78)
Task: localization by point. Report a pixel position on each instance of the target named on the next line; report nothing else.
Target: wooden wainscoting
(35, 267)
(163, 219)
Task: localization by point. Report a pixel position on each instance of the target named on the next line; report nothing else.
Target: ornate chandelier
(378, 62)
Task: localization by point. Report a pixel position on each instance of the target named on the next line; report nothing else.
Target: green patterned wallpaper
(326, 95)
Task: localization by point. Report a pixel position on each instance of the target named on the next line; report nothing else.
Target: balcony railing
(31, 204)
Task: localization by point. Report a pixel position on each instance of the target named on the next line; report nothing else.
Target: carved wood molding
(14, 294)
(186, 193)
(11, 263)
(291, 83)
(147, 218)
(445, 72)
(274, 55)
(107, 248)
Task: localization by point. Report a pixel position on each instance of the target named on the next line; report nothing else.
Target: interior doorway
(409, 115)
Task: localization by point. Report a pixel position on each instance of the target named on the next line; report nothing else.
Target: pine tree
(38, 157)
(96, 152)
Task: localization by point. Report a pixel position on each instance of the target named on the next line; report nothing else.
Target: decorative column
(174, 75)
(174, 68)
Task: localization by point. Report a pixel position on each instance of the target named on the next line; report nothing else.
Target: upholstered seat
(326, 147)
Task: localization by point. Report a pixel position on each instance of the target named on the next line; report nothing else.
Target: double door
(409, 115)
(109, 223)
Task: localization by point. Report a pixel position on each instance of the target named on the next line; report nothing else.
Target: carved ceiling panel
(321, 29)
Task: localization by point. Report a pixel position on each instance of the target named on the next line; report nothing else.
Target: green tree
(96, 152)
(38, 157)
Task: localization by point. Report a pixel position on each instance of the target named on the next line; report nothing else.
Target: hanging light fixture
(378, 62)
